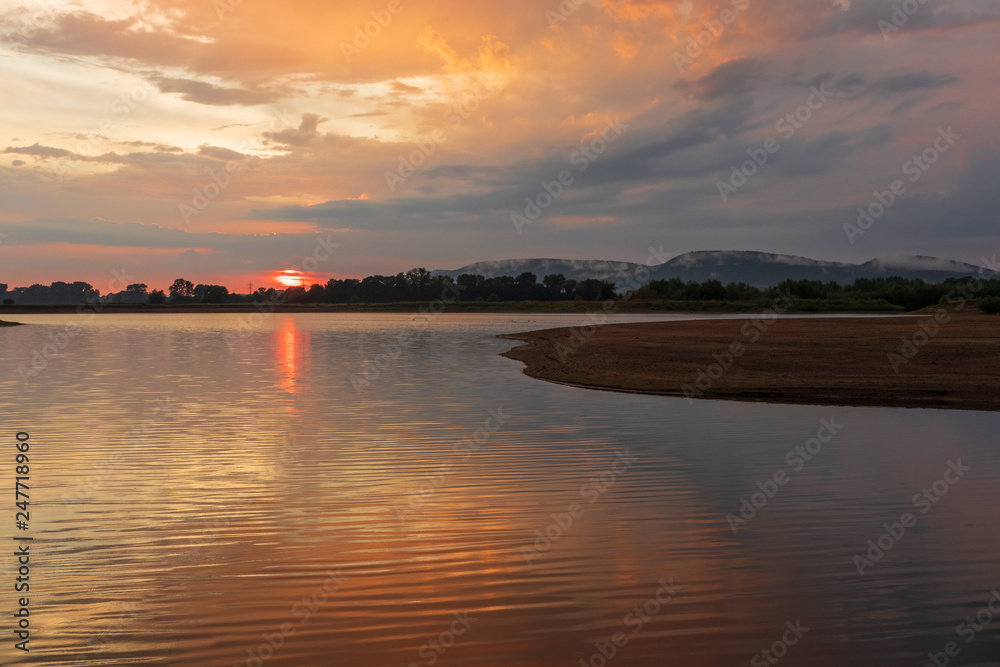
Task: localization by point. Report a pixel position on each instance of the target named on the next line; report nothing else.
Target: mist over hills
(754, 268)
(572, 269)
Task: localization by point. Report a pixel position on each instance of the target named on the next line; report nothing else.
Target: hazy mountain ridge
(755, 268)
(572, 269)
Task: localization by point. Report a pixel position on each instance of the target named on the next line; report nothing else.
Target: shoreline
(631, 307)
(837, 361)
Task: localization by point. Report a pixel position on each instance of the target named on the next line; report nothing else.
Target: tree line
(419, 285)
(904, 293)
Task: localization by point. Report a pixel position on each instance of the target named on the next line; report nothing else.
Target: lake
(330, 489)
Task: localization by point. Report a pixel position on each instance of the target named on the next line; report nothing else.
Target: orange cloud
(633, 11)
(627, 45)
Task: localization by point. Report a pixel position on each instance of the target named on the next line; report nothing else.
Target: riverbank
(949, 362)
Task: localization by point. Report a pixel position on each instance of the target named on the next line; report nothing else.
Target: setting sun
(290, 278)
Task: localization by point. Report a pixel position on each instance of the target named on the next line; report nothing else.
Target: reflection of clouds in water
(231, 511)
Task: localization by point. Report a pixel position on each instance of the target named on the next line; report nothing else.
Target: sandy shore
(949, 362)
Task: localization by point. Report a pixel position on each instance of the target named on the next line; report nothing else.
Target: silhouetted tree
(181, 289)
(554, 284)
(211, 293)
(134, 293)
(294, 295)
(316, 294)
(473, 287)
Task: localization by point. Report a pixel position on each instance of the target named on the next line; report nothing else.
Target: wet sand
(949, 362)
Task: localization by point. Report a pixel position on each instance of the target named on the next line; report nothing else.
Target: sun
(291, 278)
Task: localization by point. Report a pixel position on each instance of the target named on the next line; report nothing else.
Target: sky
(225, 141)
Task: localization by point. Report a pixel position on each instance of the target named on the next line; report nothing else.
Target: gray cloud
(906, 83)
(864, 17)
(83, 33)
(206, 93)
(219, 153)
(968, 211)
(156, 147)
(306, 133)
(730, 79)
(38, 151)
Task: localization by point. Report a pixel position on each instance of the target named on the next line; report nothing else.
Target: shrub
(990, 305)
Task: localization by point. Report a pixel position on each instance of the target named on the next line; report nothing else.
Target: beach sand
(837, 361)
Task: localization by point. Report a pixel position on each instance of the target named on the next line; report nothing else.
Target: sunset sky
(227, 140)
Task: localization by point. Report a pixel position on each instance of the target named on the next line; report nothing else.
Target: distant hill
(754, 268)
(765, 269)
(572, 269)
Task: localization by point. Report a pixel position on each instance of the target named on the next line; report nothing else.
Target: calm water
(199, 497)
